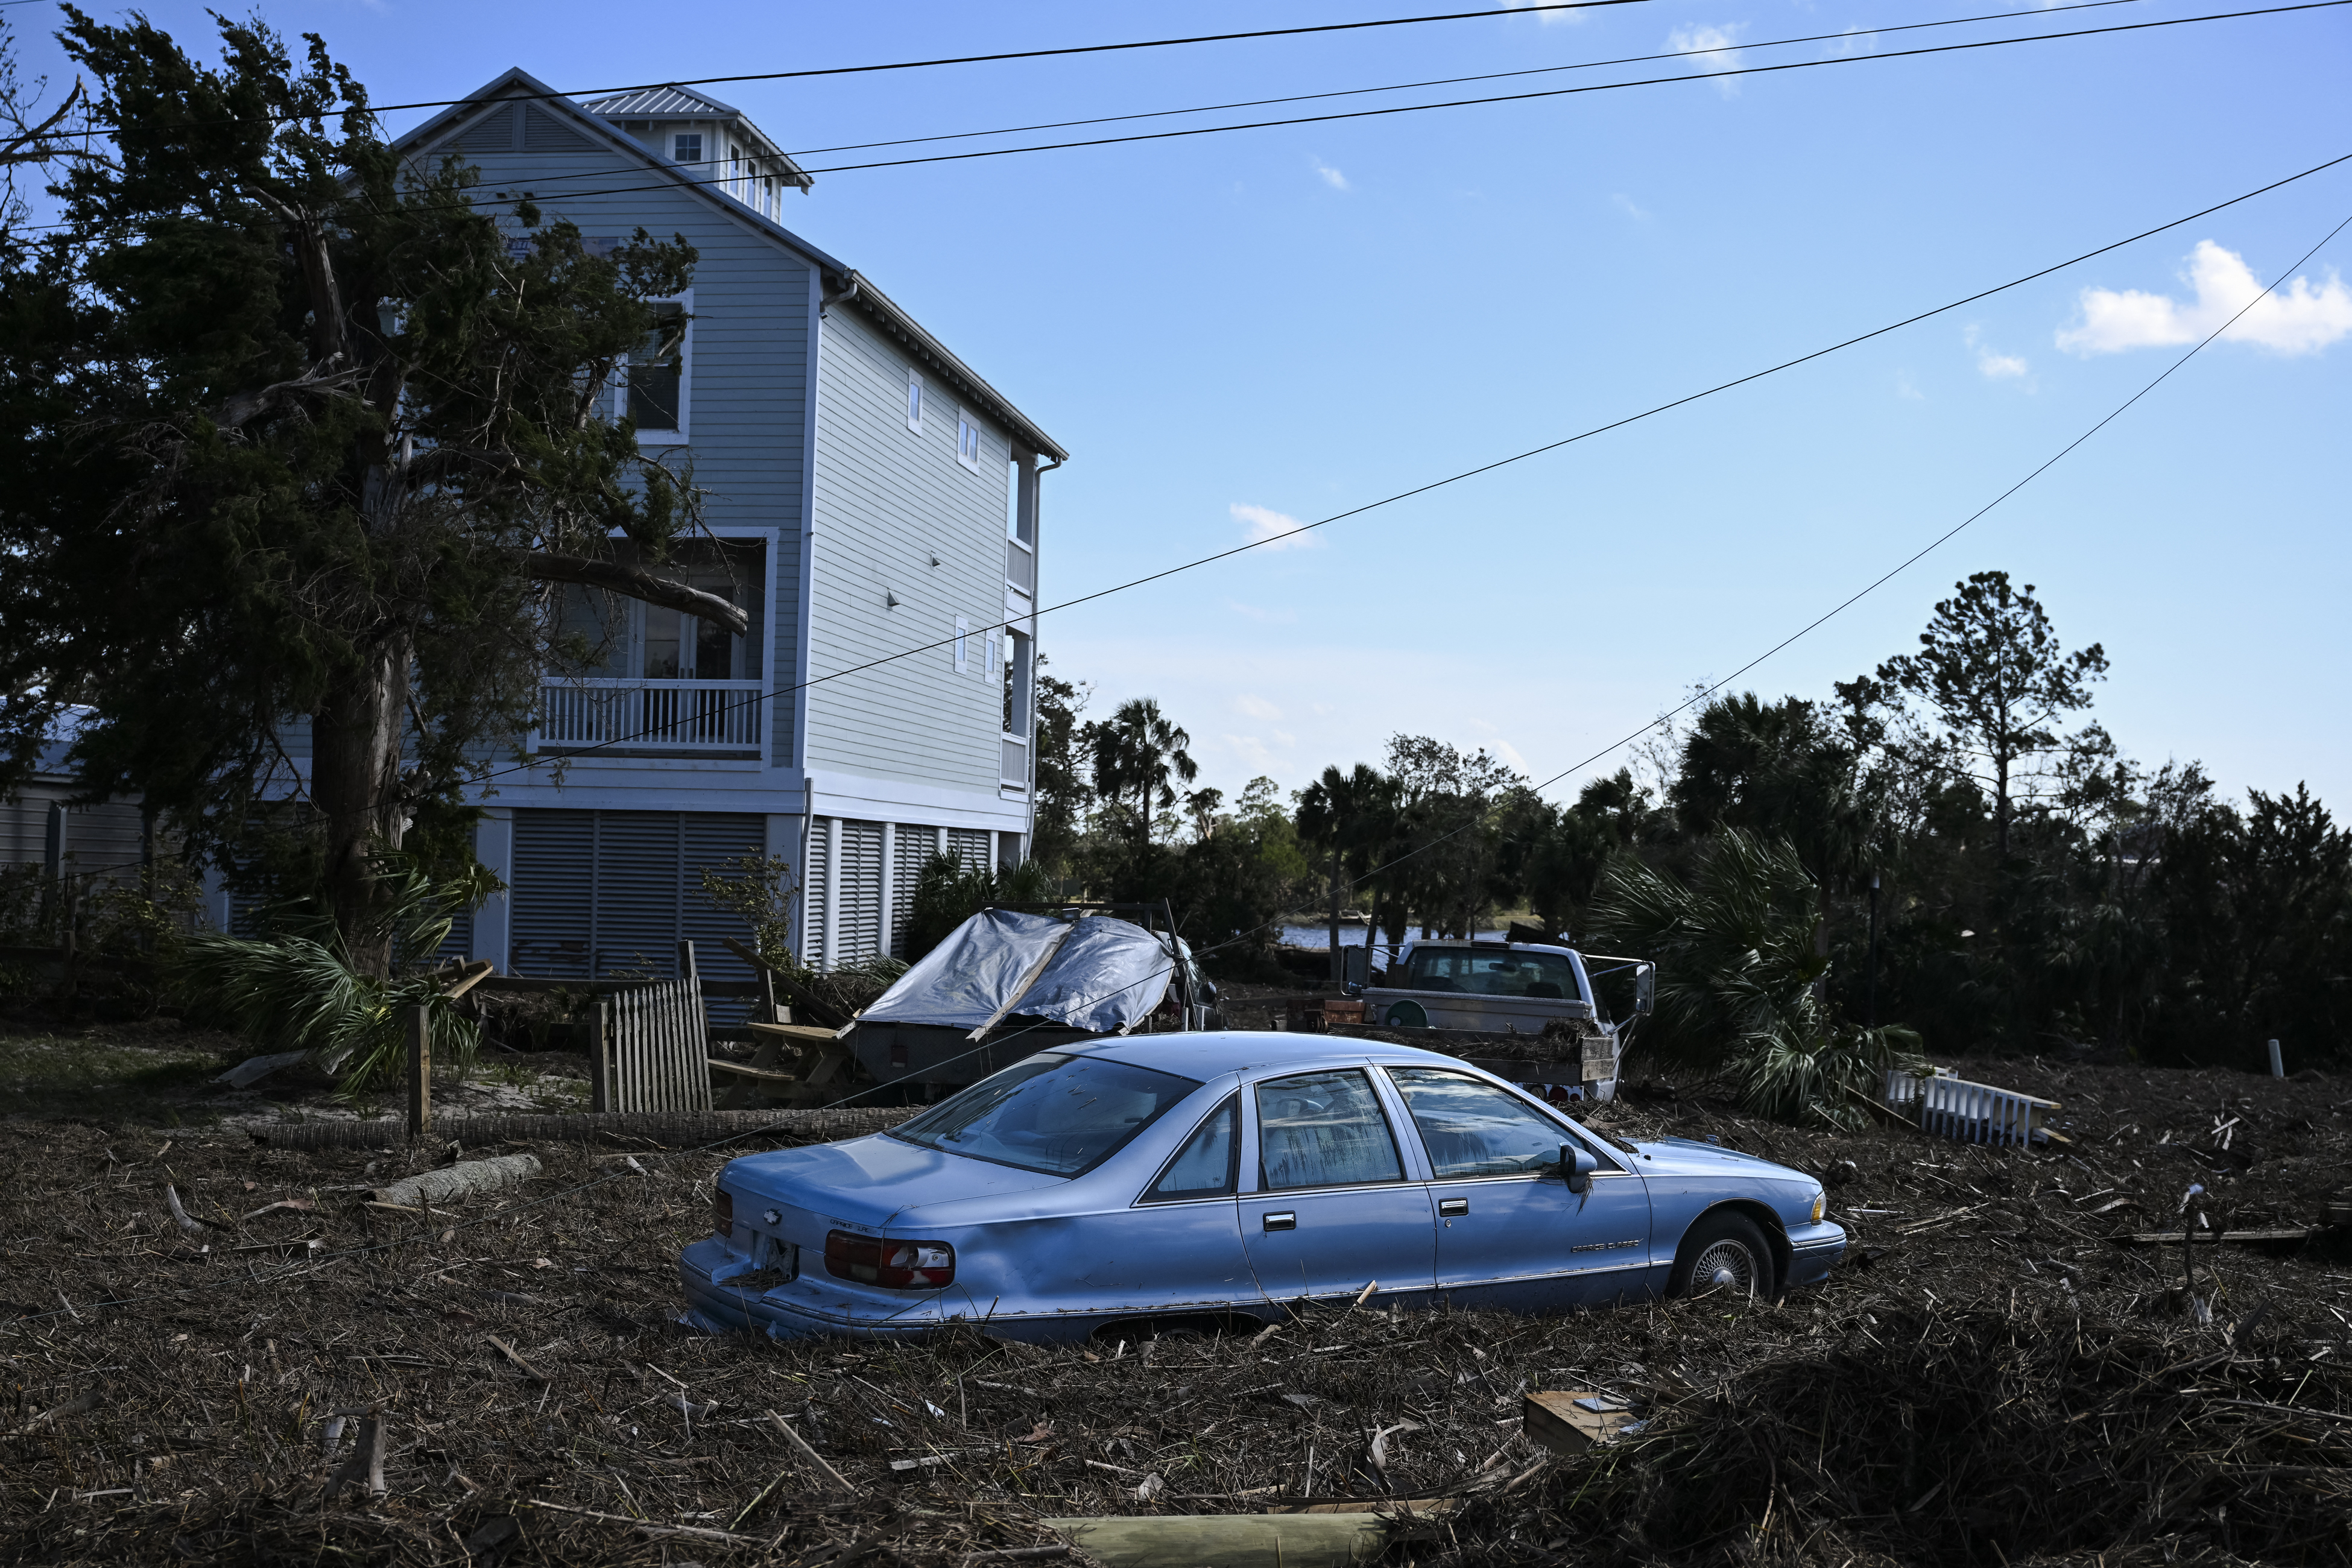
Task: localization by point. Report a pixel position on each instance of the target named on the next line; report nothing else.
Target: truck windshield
(1061, 1115)
(1493, 972)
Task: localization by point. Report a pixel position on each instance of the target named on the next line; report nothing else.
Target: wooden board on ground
(1562, 1423)
(794, 1034)
(2287, 1236)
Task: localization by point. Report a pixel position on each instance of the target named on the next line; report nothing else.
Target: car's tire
(1724, 1251)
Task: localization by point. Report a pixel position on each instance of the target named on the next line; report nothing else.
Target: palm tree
(1138, 756)
(1351, 814)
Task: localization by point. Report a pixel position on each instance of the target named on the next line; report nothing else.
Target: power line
(1458, 477)
(1454, 81)
(680, 182)
(1694, 699)
(1851, 599)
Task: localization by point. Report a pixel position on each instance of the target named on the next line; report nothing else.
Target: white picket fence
(1950, 1106)
(654, 1050)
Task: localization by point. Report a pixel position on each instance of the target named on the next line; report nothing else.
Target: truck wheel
(1407, 1016)
(1724, 1251)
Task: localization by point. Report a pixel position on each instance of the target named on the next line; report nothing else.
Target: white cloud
(1994, 366)
(1548, 18)
(1256, 707)
(1331, 176)
(1907, 389)
(1626, 206)
(2297, 319)
(1853, 41)
(1718, 42)
(1276, 531)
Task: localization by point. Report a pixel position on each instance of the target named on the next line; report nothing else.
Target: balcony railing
(1021, 567)
(1014, 769)
(653, 715)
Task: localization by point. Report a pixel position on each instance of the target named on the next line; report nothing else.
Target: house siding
(887, 499)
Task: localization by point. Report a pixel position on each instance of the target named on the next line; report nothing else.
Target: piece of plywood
(1560, 1422)
(797, 1034)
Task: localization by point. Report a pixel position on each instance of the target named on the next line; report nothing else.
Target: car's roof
(1205, 1054)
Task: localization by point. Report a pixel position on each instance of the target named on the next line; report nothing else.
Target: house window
(967, 441)
(914, 400)
(657, 373)
(962, 637)
(687, 147)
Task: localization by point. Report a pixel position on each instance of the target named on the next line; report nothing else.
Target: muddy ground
(1989, 1380)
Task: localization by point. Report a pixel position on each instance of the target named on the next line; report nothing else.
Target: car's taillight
(722, 1213)
(896, 1264)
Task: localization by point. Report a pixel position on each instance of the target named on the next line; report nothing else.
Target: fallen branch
(365, 1466)
(813, 1457)
(81, 1404)
(693, 1531)
(459, 1180)
(508, 1351)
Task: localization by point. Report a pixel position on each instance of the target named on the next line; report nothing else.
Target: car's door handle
(1282, 1220)
(1451, 1206)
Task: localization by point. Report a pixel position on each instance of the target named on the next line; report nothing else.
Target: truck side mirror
(1356, 965)
(1578, 1165)
(1645, 990)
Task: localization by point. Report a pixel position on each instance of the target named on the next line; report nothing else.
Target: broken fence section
(1949, 1107)
(651, 1050)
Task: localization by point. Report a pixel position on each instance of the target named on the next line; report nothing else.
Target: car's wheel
(1724, 1251)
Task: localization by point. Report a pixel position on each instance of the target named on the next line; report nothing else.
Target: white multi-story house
(866, 492)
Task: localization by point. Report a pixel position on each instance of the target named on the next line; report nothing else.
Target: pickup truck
(1500, 987)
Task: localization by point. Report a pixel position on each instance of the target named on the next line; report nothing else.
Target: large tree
(1349, 816)
(1139, 754)
(299, 434)
(1993, 669)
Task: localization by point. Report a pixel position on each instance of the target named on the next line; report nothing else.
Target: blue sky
(1230, 331)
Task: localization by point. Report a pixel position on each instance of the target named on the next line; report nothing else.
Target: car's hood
(866, 1181)
(1686, 1156)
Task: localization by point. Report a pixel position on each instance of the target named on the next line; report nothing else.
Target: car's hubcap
(1724, 1265)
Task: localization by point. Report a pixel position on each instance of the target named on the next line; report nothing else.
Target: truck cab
(1494, 986)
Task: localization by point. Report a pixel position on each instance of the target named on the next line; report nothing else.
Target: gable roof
(842, 282)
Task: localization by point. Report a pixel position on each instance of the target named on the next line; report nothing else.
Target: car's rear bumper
(717, 1306)
(1813, 1251)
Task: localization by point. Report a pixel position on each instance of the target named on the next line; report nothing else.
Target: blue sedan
(1161, 1180)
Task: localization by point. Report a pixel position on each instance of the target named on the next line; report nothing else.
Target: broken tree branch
(632, 583)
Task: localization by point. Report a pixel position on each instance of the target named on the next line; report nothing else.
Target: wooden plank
(2279, 1238)
(798, 1034)
(1557, 1422)
(746, 1069)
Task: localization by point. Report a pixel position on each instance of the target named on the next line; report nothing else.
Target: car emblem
(773, 1217)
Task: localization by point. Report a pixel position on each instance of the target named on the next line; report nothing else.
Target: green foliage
(1137, 755)
(1063, 796)
(761, 889)
(947, 894)
(296, 433)
(1738, 991)
(298, 989)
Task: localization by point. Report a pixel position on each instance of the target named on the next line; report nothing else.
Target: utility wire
(1162, 974)
(1847, 36)
(1499, 463)
(682, 182)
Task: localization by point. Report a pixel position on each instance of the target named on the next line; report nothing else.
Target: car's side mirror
(1645, 990)
(1576, 1165)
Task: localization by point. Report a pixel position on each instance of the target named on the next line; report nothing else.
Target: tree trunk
(2001, 803)
(1338, 968)
(355, 786)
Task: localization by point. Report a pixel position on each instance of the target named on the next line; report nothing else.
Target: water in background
(1319, 936)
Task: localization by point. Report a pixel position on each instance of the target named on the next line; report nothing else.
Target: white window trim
(685, 431)
(962, 641)
(965, 422)
(915, 396)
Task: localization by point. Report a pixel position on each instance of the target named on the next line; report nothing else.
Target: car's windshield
(1493, 972)
(1062, 1115)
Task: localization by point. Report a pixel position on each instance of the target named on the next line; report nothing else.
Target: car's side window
(1473, 1128)
(1324, 1130)
(1205, 1167)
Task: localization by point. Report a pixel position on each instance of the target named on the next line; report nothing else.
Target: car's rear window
(1491, 972)
(1061, 1115)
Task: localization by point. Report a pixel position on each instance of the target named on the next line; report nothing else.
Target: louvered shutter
(812, 885)
(552, 893)
(861, 891)
(973, 848)
(640, 867)
(914, 846)
(714, 840)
